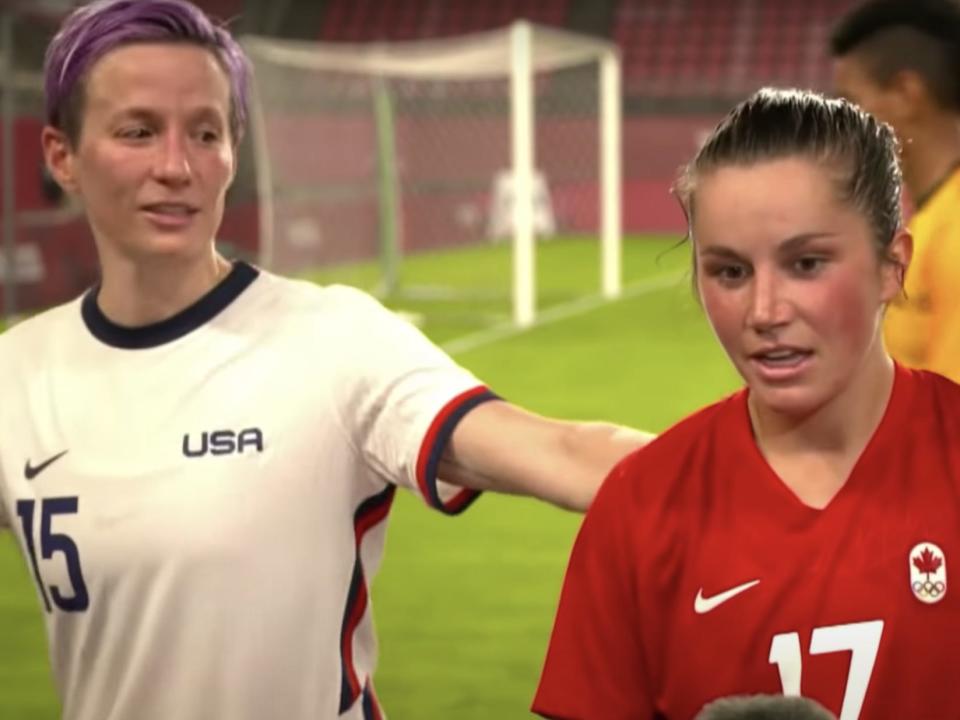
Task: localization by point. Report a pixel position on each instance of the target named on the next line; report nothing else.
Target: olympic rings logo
(929, 588)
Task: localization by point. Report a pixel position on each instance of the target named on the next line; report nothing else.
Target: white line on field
(505, 330)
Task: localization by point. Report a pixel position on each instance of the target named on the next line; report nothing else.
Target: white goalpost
(385, 150)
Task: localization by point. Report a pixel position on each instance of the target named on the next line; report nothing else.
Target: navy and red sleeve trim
(434, 442)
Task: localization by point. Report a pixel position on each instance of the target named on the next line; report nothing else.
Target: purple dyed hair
(93, 30)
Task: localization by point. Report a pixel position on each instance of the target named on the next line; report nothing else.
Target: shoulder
(331, 304)
(309, 296)
(925, 408)
(925, 386)
(950, 195)
(33, 334)
(336, 318)
(700, 430)
(345, 329)
(938, 217)
(655, 500)
(671, 459)
(919, 384)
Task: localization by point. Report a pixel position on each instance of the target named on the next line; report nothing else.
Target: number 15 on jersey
(52, 543)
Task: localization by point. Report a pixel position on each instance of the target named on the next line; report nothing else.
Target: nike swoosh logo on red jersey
(703, 604)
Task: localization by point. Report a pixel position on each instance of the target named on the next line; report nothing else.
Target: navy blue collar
(185, 321)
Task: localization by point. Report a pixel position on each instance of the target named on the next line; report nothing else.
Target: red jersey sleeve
(594, 666)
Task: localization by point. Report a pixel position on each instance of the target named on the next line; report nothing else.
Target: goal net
(425, 171)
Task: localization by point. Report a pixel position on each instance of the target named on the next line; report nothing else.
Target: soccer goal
(463, 152)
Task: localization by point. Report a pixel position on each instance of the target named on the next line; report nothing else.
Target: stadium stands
(671, 48)
(685, 62)
(723, 47)
(372, 20)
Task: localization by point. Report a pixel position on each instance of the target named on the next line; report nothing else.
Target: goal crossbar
(518, 53)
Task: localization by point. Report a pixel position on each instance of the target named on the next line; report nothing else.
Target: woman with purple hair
(197, 456)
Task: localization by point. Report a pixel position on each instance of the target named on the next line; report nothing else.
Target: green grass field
(464, 605)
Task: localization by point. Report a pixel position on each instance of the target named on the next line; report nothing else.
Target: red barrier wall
(653, 149)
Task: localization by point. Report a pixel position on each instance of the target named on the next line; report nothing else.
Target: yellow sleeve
(924, 330)
(944, 345)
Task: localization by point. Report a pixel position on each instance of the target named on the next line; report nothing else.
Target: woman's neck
(135, 293)
(929, 158)
(815, 453)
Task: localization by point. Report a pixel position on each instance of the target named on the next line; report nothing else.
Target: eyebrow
(138, 113)
(791, 244)
(202, 113)
(798, 241)
(209, 113)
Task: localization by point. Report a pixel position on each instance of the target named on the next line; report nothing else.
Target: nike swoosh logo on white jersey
(31, 471)
(703, 604)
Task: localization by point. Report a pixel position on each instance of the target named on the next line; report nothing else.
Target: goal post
(389, 190)
(384, 149)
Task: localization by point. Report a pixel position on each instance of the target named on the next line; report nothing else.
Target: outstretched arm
(503, 448)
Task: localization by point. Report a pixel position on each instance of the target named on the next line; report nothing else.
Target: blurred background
(684, 63)
(463, 606)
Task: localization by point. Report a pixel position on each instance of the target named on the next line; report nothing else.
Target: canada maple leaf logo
(927, 563)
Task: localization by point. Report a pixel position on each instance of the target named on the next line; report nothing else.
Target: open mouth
(782, 364)
(782, 357)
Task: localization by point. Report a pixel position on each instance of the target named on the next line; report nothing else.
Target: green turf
(480, 276)
(464, 605)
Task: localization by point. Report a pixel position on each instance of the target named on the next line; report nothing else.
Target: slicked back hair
(774, 124)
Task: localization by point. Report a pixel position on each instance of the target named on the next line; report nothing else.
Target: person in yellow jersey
(900, 61)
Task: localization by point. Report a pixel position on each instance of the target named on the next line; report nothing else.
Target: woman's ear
(59, 157)
(899, 253)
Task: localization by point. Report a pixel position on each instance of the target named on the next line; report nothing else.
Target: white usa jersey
(202, 502)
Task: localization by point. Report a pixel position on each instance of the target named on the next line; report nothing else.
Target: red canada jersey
(698, 574)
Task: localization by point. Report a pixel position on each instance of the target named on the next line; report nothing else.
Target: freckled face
(790, 280)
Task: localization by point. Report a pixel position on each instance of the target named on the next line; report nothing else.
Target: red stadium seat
(723, 46)
(371, 20)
